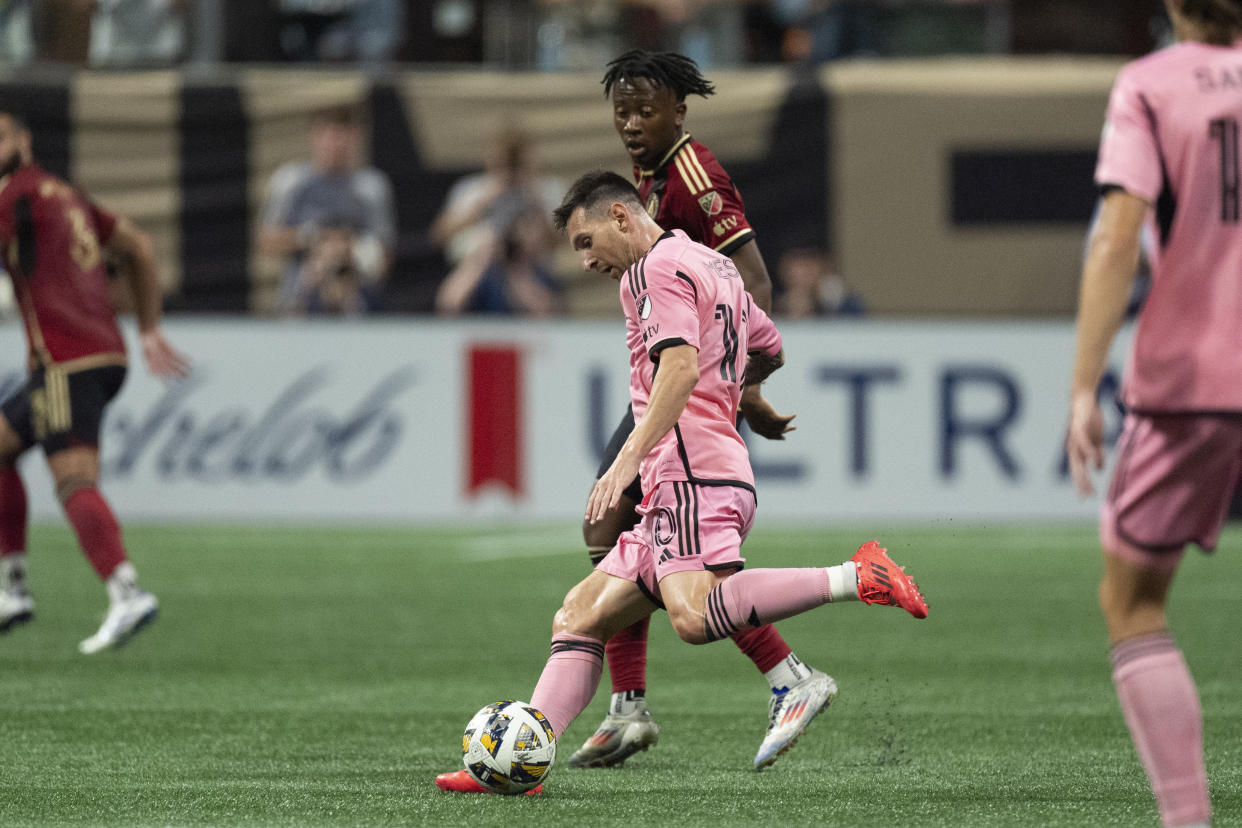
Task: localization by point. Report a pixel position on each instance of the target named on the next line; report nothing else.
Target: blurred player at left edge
(53, 240)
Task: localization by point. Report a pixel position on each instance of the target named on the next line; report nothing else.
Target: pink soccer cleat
(880, 581)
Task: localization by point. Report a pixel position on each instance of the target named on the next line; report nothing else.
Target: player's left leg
(76, 472)
(1156, 690)
(702, 540)
(67, 426)
(1174, 478)
(594, 610)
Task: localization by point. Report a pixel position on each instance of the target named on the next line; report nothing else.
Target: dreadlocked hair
(1221, 20)
(668, 69)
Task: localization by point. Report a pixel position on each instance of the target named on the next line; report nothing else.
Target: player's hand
(163, 360)
(606, 493)
(762, 417)
(1084, 440)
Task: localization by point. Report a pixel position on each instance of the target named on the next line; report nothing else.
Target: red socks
(13, 509)
(762, 645)
(626, 653)
(98, 532)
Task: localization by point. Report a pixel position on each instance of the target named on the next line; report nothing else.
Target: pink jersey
(1172, 139)
(679, 293)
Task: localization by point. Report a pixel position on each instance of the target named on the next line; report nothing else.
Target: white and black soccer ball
(508, 747)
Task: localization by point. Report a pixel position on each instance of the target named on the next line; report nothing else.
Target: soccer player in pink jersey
(53, 240)
(684, 187)
(696, 338)
(1168, 155)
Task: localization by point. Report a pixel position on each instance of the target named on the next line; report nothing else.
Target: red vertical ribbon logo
(495, 430)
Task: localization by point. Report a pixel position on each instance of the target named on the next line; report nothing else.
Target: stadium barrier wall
(402, 421)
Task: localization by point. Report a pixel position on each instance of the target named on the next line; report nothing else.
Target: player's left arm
(1108, 272)
(138, 251)
(670, 391)
(759, 414)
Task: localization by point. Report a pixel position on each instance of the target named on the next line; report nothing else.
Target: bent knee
(689, 626)
(577, 620)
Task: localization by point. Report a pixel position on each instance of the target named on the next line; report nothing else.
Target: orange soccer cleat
(462, 782)
(880, 581)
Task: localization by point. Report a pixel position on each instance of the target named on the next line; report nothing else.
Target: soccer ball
(508, 747)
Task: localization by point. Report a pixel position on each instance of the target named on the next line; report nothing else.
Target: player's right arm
(1111, 262)
(138, 251)
(671, 388)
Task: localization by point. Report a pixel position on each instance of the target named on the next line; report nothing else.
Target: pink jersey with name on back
(682, 292)
(1172, 138)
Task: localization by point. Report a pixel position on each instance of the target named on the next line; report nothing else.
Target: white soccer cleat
(16, 608)
(125, 618)
(618, 738)
(790, 712)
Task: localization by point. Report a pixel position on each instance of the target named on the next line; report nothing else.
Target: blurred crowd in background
(330, 219)
(552, 35)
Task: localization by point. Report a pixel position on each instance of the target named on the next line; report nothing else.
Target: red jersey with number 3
(51, 237)
(689, 191)
(1172, 139)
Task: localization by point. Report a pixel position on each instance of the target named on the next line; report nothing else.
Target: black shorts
(59, 410)
(634, 491)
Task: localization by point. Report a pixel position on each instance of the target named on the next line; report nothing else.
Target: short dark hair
(1221, 19)
(591, 190)
(668, 69)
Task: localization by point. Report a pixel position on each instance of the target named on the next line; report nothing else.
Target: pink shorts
(1175, 477)
(685, 526)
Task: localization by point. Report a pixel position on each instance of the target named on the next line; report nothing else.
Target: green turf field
(322, 677)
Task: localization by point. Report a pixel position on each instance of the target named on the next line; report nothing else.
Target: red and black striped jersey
(51, 237)
(689, 191)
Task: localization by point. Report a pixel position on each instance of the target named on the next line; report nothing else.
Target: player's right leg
(628, 727)
(593, 611)
(16, 602)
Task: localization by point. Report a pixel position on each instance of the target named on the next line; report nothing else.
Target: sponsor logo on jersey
(724, 225)
(711, 203)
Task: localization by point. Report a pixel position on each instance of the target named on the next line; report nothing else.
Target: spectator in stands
(331, 190)
(329, 282)
(515, 282)
(496, 232)
(480, 206)
(811, 286)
